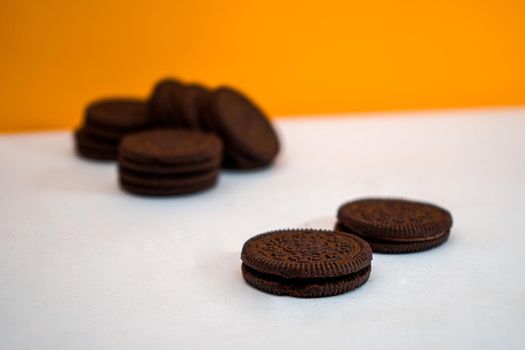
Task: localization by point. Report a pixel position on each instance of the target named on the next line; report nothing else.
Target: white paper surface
(84, 265)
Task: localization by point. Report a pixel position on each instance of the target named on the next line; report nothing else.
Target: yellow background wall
(293, 57)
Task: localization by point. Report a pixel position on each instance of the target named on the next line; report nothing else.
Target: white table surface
(85, 266)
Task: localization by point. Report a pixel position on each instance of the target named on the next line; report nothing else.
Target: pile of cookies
(309, 263)
(169, 161)
(106, 122)
(177, 141)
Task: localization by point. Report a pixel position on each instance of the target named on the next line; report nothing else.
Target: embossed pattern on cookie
(306, 262)
(394, 218)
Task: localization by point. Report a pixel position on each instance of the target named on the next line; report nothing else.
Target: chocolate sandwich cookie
(177, 105)
(94, 148)
(168, 190)
(114, 118)
(106, 122)
(192, 103)
(166, 180)
(395, 225)
(169, 161)
(135, 164)
(250, 140)
(306, 263)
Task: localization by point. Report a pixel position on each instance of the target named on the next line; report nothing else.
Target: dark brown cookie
(174, 104)
(393, 247)
(114, 118)
(192, 101)
(159, 191)
(246, 131)
(404, 224)
(237, 162)
(163, 162)
(106, 122)
(163, 103)
(88, 153)
(306, 262)
(172, 146)
(152, 167)
(94, 148)
(176, 180)
(305, 288)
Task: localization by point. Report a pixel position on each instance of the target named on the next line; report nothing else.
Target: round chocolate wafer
(307, 288)
(191, 103)
(159, 191)
(246, 131)
(152, 167)
(306, 262)
(92, 154)
(166, 180)
(174, 104)
(398, 247)
(94, 148)
(163, 103)
(172, 146)
(113, 118)
(395, 219)
(237, 162)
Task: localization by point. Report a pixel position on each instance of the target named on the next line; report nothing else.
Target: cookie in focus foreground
(306, 263)
(395, 225)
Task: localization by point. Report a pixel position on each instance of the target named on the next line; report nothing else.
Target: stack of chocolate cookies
(106, 122)
(204, 130)
(162, 162)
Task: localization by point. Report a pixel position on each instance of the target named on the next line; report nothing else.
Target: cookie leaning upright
(177, 105)
(306, 263)
(395, 225)
(106, 122)
(162, 162)
(250, 140)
